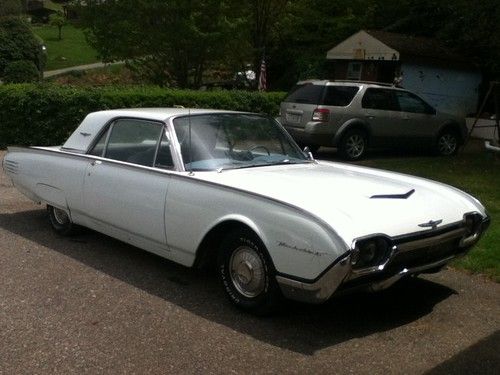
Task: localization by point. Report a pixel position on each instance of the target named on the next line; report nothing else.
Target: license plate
(293, 117)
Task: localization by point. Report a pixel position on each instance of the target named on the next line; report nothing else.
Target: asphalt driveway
(92, 304)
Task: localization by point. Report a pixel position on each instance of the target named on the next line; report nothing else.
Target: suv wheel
(353, 144)
(447, 143)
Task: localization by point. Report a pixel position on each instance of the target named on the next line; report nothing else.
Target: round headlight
(370, 252)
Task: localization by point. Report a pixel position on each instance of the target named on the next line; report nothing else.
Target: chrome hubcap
(447, 144)
(355, 146)
(247, 271)
(61, 216)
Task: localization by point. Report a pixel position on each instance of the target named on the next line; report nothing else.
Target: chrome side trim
(319, 291)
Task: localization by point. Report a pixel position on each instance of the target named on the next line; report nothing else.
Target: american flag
(262, 77)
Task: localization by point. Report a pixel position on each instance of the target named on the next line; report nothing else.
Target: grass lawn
(70, 51)
(474, 171)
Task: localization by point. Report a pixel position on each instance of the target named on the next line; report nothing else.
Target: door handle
(371, 117)
(95, 162)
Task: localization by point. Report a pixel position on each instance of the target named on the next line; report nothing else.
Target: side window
(381, 99)
(409, 102)
(133, 141)
(340, 96)
(98, 149)
(164, 156)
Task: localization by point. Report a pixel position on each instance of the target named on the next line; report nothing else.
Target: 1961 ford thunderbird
(233, 190)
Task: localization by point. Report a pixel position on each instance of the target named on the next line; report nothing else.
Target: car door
(381, 112)
(120, 194)
(418, 117)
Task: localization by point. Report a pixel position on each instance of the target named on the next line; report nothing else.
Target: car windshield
(229, 141)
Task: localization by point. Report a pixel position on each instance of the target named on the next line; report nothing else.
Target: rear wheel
(447, 143)
(247, 274)
(60, 221)
(353, 144)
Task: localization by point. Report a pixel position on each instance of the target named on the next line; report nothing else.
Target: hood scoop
(393, 196)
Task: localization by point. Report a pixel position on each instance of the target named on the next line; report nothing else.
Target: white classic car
(232, 189)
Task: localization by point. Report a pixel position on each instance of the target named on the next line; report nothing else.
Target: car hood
(354, 201)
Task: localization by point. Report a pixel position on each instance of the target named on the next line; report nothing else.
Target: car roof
(92, 125)
(158, 114)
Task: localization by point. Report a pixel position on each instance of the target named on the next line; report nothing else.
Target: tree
(21, 71)
(10, 8)
(17, 42)
(168, 42)
(58, 20)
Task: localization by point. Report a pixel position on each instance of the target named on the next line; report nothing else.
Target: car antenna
(190, 149)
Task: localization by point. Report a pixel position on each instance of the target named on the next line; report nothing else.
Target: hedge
(42, 114)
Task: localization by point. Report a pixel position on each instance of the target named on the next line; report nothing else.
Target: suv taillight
(321, 114)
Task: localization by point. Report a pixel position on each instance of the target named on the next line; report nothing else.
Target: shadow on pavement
(480, 358)
(300, 328)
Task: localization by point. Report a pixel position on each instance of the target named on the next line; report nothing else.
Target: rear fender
(351, 124)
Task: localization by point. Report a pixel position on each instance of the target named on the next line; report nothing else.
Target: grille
(424, 255)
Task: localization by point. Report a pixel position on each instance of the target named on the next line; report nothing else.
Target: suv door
(418, 117)
(381, 111)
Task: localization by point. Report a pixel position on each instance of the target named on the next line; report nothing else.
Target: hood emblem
(431, 224)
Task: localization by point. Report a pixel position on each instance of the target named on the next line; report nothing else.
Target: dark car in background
(354, 116)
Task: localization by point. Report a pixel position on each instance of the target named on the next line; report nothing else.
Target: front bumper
(412, 254)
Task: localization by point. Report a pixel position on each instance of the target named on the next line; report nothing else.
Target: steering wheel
(260, 146)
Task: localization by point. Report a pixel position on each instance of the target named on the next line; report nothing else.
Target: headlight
(370, 252)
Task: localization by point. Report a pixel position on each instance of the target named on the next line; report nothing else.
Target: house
(444, 78)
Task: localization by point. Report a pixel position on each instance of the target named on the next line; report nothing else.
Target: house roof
(408, 45)
(383, 45)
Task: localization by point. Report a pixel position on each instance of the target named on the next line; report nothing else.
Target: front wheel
(353, 145)
(247, 274)
(447, 143)
(60, 221)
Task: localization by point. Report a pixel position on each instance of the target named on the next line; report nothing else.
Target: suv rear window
(339, 96)
(306, 93)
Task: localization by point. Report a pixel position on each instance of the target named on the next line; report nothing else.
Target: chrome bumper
(319, 290)
(341, 275)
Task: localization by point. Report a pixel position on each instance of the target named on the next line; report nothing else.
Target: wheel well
(453, 127)
(207, 250)
(352, 126)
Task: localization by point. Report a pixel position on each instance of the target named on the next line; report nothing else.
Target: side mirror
(308, 153)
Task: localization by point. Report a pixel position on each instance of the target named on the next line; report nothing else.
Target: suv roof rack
(368, 82)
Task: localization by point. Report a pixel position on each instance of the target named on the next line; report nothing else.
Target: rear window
(339, 96)
(305, 93)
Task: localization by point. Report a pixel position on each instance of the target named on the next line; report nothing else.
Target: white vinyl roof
(91, 126)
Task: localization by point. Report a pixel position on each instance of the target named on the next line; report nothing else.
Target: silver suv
(354, 115)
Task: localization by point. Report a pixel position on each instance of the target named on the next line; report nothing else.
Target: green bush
(21, 71)
(38, 114)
